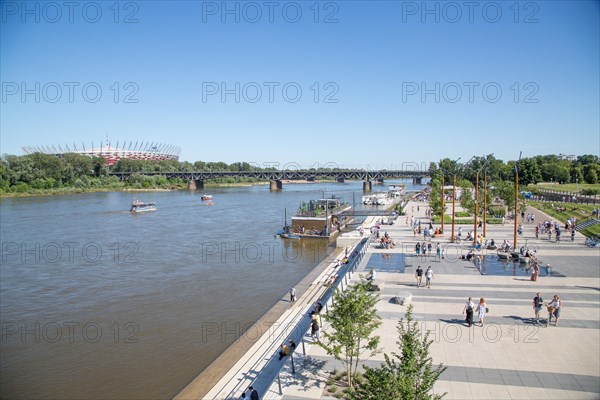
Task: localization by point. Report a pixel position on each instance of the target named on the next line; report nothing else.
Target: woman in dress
(482, 310)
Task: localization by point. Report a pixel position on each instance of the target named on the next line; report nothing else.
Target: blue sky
(397, 83)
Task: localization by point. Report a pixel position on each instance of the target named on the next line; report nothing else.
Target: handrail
(300, 324)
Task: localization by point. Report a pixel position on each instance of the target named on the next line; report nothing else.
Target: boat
(139, 206)
(206, 197)
(289, 236)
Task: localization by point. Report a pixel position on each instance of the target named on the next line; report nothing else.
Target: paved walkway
(510, 357)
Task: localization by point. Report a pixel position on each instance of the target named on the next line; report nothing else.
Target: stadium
(112, 154)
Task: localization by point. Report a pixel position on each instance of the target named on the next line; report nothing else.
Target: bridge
(196, 179)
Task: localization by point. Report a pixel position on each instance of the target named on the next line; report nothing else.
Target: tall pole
(516, 206)
(484, 199)
(326, 217)
(476, 208)
(453, 207)
(442, 201)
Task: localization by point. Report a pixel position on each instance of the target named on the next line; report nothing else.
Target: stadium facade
(112, 154)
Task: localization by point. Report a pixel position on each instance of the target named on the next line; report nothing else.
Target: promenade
(509, 358)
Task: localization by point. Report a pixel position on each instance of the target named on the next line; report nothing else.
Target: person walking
(554, 309)
(293, 295)
(469, 307)
(253, 394)
(537, 306)
(482, 310)
(428, 277)
(419, 276)
(314, 328)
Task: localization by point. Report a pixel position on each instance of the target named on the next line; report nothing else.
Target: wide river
(98, 303)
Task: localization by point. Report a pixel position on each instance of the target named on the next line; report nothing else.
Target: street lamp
(453, 198)
(516, 201)
(477, 200)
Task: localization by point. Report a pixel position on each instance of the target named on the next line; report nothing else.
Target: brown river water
(98, 303)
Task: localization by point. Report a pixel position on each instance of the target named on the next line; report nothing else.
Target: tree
(466, 199)
(505, 190)
(435, 199)
(408, 375)
(353, 318)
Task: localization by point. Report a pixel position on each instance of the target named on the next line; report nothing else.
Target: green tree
(591, 176)
(435, 199)
(408, 375)
(466, 198)
(353, 318)
(505, 190)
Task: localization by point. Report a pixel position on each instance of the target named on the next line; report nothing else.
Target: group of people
(428, 276)
(553, 309)
(424, 248)
(386, 242)
(470, 308)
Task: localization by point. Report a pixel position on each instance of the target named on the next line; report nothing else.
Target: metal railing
(301, 327)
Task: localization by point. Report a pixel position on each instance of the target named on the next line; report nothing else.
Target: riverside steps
(510, 357)
(253, 359)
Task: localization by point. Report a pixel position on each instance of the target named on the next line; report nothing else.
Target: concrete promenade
(510, 357)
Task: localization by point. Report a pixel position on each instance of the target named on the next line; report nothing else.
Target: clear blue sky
(375, 61)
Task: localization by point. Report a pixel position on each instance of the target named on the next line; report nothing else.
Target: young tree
(353, 318)
(408, 375)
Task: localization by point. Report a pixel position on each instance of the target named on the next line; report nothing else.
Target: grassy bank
(565, 187)
(115, 188)
(579, 211)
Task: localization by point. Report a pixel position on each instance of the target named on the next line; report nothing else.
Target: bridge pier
(340, 179)
(417, 180)
(276, 185)
(366, 186)
(196, 184)
(379, 181)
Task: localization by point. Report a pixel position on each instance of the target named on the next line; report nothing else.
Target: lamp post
(516, 201)
(443, 208)
(453, 198)
(484, 200)
(453, 206)
(477, 198)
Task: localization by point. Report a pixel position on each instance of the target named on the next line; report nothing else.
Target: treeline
(44, 173)
(501, 176)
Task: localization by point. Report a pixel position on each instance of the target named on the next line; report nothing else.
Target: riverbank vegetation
(581, 173)
(44, 174)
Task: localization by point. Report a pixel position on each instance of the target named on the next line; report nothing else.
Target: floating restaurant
(321, 218)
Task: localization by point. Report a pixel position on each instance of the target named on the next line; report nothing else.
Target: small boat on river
(206, 197)
(139, 206)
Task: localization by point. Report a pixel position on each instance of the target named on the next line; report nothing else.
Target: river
(98, 303)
